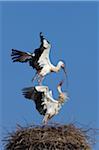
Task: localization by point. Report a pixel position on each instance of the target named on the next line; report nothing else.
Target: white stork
(38, 60)
(44, 101)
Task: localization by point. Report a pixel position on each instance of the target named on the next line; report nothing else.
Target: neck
(59, 89)
(58, 66)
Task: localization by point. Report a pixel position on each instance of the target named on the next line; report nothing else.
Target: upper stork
(44, 101)
(39, 59)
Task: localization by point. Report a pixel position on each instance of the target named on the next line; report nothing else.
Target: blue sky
(71, 27)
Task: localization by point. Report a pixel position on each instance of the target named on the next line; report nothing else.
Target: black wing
(34, 61)
(42, 51)
(19, 56)
(37, 97)
(33, 58)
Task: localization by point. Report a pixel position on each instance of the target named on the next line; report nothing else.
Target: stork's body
(45, 103)
(38, 60)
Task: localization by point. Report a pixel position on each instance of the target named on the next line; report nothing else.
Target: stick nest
(49, 137)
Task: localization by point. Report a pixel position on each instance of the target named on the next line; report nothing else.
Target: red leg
(40, 80)
(34, 78)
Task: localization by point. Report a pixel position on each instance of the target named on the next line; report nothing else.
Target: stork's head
(59, 87)
(62, 65)
(63, 96)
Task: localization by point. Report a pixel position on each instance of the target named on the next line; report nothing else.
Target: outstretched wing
(45, 45)
(37, 97)
(38, 59)
(41, 55)
(19, 56)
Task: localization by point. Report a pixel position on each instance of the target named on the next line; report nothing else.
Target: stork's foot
(45, 120)
(44, 123)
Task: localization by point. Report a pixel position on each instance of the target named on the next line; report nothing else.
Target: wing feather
(20, 56)
(41, 55)
(44, 59)
(37, 97)
(38, 59)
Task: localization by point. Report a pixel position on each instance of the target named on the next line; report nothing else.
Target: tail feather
(19, 56)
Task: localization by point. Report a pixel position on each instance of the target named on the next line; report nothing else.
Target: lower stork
(38, 60)
(44, 101)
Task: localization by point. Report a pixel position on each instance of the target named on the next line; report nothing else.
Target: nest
(49, 137)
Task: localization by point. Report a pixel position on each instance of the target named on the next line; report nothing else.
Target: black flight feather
(36, 96)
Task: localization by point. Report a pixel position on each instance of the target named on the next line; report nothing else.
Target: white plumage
(44, 101)
(39, 59)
